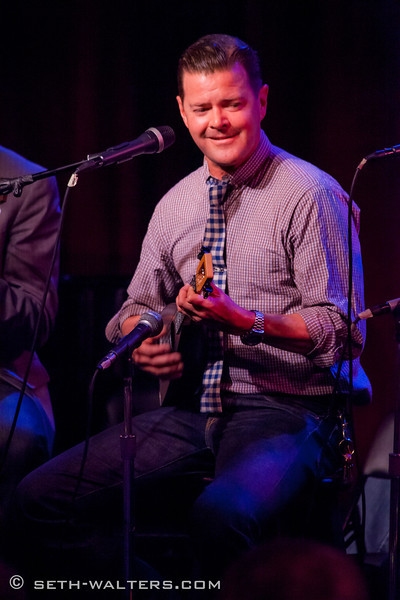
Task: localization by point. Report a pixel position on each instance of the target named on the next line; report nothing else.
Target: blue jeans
(31, 443)
(260, 454)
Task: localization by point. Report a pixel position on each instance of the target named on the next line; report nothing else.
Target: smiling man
(223, 114)
(261, 421)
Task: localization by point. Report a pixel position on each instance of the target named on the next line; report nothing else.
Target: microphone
(385, 152)
(379, 309)
(379, 154)
(150, 324)
(152, 141)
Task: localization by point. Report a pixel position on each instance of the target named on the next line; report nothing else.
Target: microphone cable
(359, 486)
(348, 345)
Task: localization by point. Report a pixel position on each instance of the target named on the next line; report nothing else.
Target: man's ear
(263, 100)
(181, 109)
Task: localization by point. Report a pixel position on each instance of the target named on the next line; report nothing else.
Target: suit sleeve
(28, 245)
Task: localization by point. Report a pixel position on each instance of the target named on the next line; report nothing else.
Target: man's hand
(158, 359)
(217, 309)
(154, 357)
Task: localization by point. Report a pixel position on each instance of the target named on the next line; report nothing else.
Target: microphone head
(165, 136)
(153, 320)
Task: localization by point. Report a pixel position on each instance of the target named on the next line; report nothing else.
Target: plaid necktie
(214, 242)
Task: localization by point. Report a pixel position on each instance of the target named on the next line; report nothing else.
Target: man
(275, 323)
(28, 230)
(294, 569)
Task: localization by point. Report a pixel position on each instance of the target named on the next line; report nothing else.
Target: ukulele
(151, 392)
(201, 282)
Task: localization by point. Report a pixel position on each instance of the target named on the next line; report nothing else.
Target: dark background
(79, 76)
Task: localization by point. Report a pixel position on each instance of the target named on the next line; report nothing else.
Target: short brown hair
(219, 52)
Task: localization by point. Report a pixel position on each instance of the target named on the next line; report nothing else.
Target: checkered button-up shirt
(286, 252)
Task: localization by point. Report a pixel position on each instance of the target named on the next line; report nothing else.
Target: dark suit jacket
(28, 230)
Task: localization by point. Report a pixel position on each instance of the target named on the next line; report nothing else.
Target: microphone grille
(155, 321)
(165, 136)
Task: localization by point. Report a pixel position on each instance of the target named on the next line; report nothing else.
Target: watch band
(256, 333)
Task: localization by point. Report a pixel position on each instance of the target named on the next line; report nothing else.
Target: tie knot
(217, 189)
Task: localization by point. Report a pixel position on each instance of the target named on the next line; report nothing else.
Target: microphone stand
(394, 474)
(128, 453)
(15, 186)
(152, 141)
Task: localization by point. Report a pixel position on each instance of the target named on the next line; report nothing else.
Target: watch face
(252, 339)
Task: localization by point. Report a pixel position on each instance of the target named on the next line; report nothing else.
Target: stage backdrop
(79, 76)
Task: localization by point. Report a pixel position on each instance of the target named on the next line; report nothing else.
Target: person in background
(29, 225)
(261, 423)
(290, 569)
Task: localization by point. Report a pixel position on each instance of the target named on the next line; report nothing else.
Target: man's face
(223, 115)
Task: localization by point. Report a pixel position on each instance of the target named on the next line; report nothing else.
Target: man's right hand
(158, 359)
(154, 356)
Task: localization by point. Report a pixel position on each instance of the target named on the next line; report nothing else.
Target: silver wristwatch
(256, 333)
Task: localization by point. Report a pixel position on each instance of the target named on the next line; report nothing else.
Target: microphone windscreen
(165, 135)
